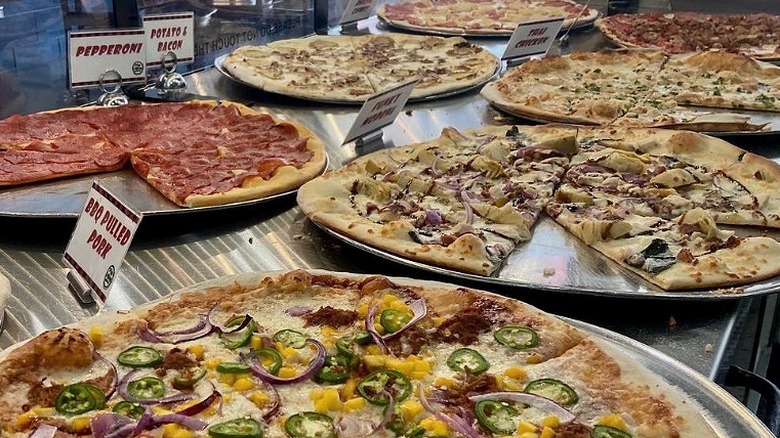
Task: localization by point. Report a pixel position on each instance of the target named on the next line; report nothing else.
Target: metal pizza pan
(770, 120)
(218, 64)
(65, 198)
(386, 25)
(557, 261)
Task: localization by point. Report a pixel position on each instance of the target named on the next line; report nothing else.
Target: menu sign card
(534, 38)
(357, 10)
(380, 110)
(169, 33)
(91, 54)
(100, 241)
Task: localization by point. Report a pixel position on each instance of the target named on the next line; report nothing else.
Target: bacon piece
(330, 316)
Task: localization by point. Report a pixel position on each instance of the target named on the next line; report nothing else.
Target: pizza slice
(463, 201)
(720, 80)
(652, 112)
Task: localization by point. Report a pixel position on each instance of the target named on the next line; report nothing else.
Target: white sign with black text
(534, 38)
(380, 110)
(169, 33)
(357, 10)
(100, 240)
(92, 53)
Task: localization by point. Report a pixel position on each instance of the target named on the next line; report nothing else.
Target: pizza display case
(179, 248)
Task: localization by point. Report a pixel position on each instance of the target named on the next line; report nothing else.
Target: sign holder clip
(170, 79)
(79, 288)
(369, 139)
(114, 96)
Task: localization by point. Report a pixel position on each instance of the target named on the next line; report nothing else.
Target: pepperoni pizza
(195, 154)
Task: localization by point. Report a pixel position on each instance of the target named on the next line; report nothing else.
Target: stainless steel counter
(179, 251)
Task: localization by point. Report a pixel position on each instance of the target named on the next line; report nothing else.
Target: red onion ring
(184, 420)
(467, 207)
(387, 414)
(529, 399)
(426, 404)
(201, 329)
(202, 405)
(219, 328)
(106, 424)
(144, 422)
(44, 431)
(112, 368)
(459, 425)
(263, 374)
(351, 427)
(298, 310)
(125, 394)
(276, 400)
(378, 340)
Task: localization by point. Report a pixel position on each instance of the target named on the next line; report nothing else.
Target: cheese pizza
(195, 154)
(653, 201)
(642, 88)
(322, 355)
(352, 68)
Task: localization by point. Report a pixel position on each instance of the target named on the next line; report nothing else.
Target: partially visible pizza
(641, 88)
(755, 35)
(195, 154)
(323, 355)
(654, 201)
(479, 17)
(350, 69)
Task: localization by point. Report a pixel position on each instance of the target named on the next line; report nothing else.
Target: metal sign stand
(114, 96)
(79, 288)
(349, 28)
(170, 80)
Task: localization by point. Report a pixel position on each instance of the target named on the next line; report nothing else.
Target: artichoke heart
(623, 161)
(567, 194)
(591, 231)
(374, 189)
(373, 167)
(673, 178)
(491, 168)
(705, 223)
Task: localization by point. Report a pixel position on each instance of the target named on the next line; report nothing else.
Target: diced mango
(227, 379)
(533, 359)
(243, 384)
(363, 309)
(212, 363)
(183, 433)
(328, 331)
(422, 365)
(354, 404)
(287, 372)
(444, 382)
(315, 394)
(515, 373)
(374, 360)
(525, 426)
(551, 421)
(529, 435)
(80, 424)
(259, 398)
(288, 353)
(170, 429)
(329, 401)
(44, 412)
(348, 391)
(24, 420)
(197, 350)
(435, 427)
(410, 409)
(615, 421)
(418, 375)
(96, 335)
(547, 433)
(256, 341)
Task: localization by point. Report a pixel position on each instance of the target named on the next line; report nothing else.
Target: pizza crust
(5, 294)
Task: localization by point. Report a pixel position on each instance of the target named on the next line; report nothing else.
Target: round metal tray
(219, 61)
(65, 198)
(556, 261)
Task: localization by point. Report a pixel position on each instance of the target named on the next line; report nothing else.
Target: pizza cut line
(754, 35)
(228, 152)
(349, 69)
(477, 17)
(318, 354)
(641, 88)
(659, 203)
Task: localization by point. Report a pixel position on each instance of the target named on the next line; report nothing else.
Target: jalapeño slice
(497, 417)
(140, 357)
(468, 361)
(290, 338)
(393, 320)
(516, 337)
(129, 409)
(608, 432)
(240, 338)
(238, 428)
(346, 344)
(187, 378)
(375, 384)
(335, 370)
(79, 398)
(233, 367)
(309, 425)
(270, 359)
(554, 390)
(147, 388)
